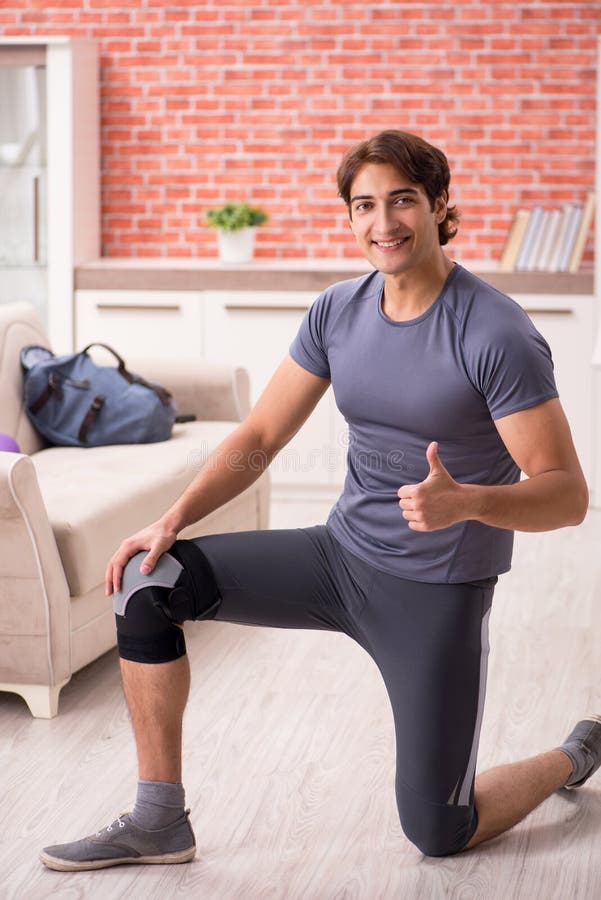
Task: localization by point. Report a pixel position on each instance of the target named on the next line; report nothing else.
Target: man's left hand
(434, 503)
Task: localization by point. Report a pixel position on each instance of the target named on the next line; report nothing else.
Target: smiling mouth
(386, 245)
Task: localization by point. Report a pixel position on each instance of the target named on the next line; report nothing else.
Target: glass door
(23, 183)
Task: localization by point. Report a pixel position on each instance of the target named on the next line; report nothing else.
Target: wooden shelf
(540, 282)
(291, 275)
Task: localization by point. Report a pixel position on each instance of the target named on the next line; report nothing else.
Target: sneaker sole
(65, 865)
(572, 787)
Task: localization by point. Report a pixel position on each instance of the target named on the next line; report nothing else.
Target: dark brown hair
(419, 161)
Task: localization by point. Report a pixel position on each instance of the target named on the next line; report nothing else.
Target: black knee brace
(150, 609)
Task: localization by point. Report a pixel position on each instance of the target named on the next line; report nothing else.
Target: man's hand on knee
(156, 539)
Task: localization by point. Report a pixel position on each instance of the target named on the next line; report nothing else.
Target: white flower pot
(236, 246)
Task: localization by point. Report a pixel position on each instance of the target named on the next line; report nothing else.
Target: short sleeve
(309, 347)
(512, 363)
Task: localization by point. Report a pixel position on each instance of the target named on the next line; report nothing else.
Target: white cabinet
(255, 329)
(566, 322)
(162, 324)
(49, 173)
(246, 328)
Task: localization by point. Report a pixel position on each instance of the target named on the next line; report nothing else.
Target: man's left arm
(553, 495)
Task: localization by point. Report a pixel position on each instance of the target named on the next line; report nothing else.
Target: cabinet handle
(129, 307)
(550, 312)
(236, 307)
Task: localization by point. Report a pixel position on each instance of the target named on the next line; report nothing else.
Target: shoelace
(118, 822)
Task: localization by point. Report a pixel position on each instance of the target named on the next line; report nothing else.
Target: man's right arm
(285, 404)
(280, 411)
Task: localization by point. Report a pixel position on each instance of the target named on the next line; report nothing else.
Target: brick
(151, 224)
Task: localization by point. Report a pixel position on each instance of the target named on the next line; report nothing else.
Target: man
(448, 390)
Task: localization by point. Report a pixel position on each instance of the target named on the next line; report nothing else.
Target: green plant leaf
(235, 216)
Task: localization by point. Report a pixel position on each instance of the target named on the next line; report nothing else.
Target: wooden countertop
(186, 274)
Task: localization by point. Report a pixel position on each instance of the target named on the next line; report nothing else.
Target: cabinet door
(255, 330)
(567, 325)
(163, 324)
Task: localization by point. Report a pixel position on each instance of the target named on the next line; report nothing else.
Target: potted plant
(235, 224)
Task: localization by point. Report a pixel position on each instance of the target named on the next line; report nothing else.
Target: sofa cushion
(97, 497)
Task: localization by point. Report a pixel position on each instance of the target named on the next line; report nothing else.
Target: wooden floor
(289, 753)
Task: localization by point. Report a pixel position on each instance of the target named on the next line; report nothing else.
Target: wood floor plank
(289, 758)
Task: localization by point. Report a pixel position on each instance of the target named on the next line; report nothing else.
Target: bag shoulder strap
(162, 393)
(120, 360)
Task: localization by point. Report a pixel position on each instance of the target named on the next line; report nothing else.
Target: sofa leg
(42, 699)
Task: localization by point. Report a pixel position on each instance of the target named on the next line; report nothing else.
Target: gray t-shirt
(472, 357)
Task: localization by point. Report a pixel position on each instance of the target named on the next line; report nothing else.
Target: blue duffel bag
(74, 402)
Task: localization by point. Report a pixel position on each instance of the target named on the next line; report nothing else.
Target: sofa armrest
(210, 391)
(34, 607)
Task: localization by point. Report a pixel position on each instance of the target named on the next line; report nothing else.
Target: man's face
(392, 221)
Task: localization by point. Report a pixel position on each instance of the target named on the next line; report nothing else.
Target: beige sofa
(64, 510)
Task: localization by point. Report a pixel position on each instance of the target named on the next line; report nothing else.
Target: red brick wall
(258, 100)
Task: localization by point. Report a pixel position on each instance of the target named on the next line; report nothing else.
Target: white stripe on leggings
(464, 793)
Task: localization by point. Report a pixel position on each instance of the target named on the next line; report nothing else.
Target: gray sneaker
(588, 734)
(123, 842)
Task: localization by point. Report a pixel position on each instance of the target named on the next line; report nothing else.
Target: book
(550, 241)
(533, 261)
(565, 252)
(529, 238)
(566, 212)
(514, 240)
(582, 233)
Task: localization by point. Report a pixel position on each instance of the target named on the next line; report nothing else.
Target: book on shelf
(570, 237)
(514, 240)
(565, 215)
(581, 236)
(532, 264)
(548, 240)
(534, 223)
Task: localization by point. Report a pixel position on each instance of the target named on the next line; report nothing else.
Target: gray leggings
(429, 641)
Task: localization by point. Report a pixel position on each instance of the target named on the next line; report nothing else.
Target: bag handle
(161, 392)
(119, 359)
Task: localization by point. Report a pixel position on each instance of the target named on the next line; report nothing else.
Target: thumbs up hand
(434, 503)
